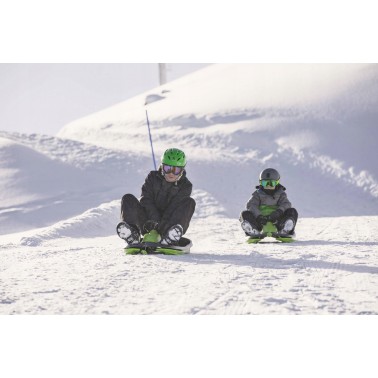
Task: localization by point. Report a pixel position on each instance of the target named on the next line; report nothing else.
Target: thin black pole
(152, 147)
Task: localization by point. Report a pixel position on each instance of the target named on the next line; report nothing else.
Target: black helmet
(269, 179)
(269, 174)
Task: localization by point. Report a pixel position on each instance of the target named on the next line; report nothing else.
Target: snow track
(331, 269)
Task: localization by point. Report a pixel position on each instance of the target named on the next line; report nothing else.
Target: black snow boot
(128, 233)
(173, 235)
(249, 230)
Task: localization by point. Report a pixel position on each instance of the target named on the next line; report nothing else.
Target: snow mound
(29, 175)
(206, 205)
(101, 221)
(153, 98)
(94, 222)
(44, 179)
(36, 189)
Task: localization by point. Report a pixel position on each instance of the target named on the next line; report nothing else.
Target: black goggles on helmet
(172, 169)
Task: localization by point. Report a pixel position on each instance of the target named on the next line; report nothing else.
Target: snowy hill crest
(315, 123)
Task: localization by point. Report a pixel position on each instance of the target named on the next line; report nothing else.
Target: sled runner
(148, 247)
(270, 230)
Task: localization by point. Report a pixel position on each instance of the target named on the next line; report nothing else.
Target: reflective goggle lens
(171, 169)
(272, 183)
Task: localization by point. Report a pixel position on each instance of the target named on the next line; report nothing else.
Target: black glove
(150, 225)
(262, 220)
(277, 214)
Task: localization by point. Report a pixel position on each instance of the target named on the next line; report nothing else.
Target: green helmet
(174, 157)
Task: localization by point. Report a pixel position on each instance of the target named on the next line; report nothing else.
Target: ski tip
(278, 239)
(170, 251)
(286, 240)
(253, 240)
(155, 251)
(135, 251)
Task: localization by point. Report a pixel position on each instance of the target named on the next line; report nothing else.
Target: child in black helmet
(269, 203)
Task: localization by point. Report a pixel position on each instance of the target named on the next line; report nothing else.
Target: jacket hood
(278, 189)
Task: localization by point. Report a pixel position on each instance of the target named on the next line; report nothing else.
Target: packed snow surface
(316, 124)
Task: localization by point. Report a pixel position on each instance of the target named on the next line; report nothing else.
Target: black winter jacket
(160, 197)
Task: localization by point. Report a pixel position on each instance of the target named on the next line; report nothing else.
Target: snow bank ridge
(94, 222)
(101, 221)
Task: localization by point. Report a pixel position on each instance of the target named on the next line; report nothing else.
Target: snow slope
(46, 179)
(237, 119)
(317, 124)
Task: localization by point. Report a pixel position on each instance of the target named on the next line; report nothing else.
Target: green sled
(150, 246)
(269, 230)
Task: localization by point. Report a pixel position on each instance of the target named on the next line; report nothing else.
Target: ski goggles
(172, 169)
(272, 183)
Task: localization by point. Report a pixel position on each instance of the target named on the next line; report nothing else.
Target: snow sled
(270, 230)
(150, 246)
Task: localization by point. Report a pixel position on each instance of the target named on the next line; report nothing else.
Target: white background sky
(170, 31)
(42, 98)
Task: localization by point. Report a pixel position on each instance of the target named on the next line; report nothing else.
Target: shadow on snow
(260, 261)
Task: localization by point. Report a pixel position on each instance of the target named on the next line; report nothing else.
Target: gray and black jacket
(260, 198)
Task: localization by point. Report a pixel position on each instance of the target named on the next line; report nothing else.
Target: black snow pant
(133, 213)
(288, 214)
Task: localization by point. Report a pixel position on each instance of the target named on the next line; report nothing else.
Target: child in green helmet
(165, 204)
